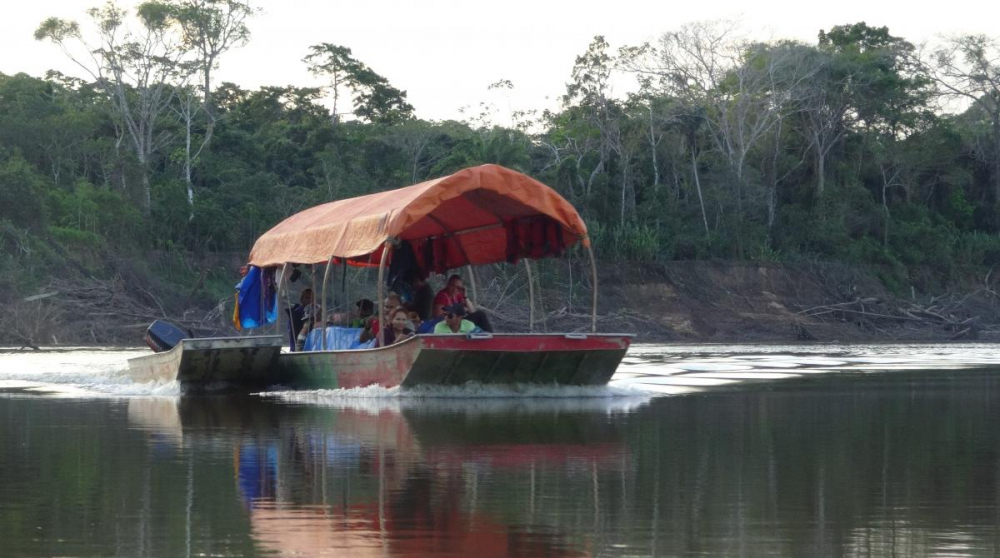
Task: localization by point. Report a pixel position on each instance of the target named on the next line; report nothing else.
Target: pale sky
(445, 53)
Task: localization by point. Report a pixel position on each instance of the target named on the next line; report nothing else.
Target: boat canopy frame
(476, 212)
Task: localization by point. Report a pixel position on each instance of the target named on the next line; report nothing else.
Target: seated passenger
(454, 293)
(415, 320)
(423, 298)
(397, 329)
(454, 322)
(363, 311)
(304, 311)
(370, 329)
(429, 325)
(303, 317)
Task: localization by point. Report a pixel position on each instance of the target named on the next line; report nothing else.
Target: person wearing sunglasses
(454, 321)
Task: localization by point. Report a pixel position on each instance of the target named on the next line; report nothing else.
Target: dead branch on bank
(115, 309)
(943, 311)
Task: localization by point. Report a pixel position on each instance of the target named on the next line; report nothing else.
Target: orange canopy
(477, 211)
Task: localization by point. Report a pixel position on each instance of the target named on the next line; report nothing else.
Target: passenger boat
(477, 216)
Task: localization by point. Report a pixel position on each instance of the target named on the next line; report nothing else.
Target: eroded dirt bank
(687, 302)
(732, 302)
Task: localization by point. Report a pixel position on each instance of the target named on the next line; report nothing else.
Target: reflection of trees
(858, 466)
(882, 465)
(78, 479)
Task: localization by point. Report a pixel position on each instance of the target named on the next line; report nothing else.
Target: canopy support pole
(593, 307)
(288, 316)
(282, 281)
(344, 304)
(381, 288)
(322, 307)
(531, 297)
(262, 324)
(472, 279)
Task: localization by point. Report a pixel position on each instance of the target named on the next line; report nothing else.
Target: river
(882, 450)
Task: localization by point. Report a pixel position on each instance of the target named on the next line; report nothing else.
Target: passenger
(397, 329)
(303, 317)
(304, 312)
(429, 325)
(454, 293)
(392, 302)
(423, 298)
(363, 311)
(415, 320)
(454, 321)
(390, 305)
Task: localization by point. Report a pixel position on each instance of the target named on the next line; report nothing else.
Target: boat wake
(76, 373)
(646, 372)
(471, 397)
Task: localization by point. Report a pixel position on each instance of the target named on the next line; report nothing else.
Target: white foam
(647, 371)
(473, 397)
(78, 373)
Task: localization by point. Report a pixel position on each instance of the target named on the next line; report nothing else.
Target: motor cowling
(163, 336)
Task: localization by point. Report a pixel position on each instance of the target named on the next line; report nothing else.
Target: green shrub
(630, 242)
(977, 249)
(20, 193)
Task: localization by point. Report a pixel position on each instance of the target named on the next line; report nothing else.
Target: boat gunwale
(186, 345)
(371, 350)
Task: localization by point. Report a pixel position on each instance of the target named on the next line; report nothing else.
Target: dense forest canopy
(728, 147)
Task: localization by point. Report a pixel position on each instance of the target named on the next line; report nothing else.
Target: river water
(691, 450)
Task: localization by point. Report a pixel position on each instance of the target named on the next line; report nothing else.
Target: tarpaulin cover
(472, 211)
(337, 339)
(253, 309)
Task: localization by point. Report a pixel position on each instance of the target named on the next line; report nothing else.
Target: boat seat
(337, 339)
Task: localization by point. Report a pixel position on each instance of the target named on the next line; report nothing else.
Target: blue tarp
(258, 472)
(337, 339)
(249, 299)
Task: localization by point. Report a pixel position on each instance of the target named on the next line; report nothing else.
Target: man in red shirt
(452, 293)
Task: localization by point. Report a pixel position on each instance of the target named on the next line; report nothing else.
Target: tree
(968, 67)
(588, 97)
(412, 138)
(139, 69)
(374, 98)
(210, 28)
(824, 111)
(742, 87)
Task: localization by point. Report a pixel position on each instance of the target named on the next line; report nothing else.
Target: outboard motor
(163, 336)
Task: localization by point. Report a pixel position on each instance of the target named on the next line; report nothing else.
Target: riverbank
(684, 301)
(737, 302)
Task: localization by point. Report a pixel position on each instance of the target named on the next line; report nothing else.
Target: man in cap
(454, 320)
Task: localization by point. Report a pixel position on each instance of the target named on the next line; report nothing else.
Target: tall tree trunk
(147, 196)
(996, 158)
(188, 162)
(697, 186)
(820, 172)
(652, 149)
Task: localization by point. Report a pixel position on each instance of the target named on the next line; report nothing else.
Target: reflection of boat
(249, 361)
(477, 216)
(363, 480)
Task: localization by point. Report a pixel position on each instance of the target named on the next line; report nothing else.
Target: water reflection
(901, 466)
(823, 463)
(325, 481)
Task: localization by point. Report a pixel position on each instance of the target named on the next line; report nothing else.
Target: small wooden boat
(490, 359)
(213, 362)
(478, 216)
